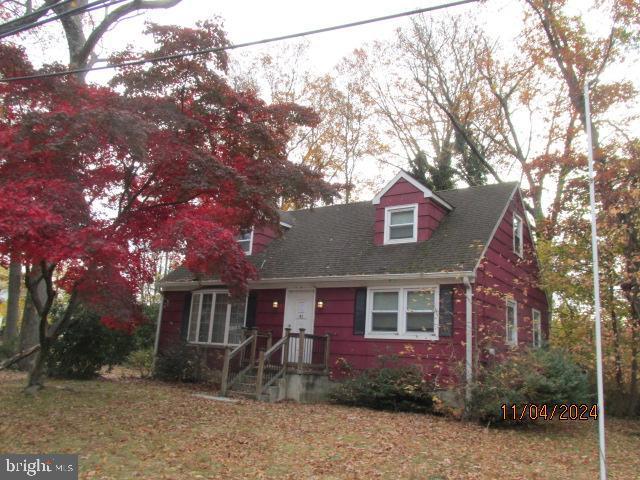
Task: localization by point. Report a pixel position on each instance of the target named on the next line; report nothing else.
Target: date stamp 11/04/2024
(562, 411)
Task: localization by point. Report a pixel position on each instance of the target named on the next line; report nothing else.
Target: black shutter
(186, 309)
(446, 310)
(360, 311)
(252, 307)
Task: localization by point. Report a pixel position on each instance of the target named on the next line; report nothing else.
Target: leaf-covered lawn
(126, 429)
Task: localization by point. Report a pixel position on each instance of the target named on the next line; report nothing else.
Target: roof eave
(457, 275)
(405, 176)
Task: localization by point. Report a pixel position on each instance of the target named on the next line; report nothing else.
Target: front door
(299, 313)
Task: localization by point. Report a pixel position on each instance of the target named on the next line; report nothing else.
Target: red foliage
(169, 158)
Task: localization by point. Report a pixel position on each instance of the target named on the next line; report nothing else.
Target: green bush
(542, 377)
(142, 361)
(180, 363)
(87, 346)
(399, 388)
(145, 334)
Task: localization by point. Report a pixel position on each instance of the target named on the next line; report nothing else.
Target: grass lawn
(126, 429)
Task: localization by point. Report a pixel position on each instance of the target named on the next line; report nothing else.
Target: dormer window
(245, 240)
(401, 224)
(517, 235)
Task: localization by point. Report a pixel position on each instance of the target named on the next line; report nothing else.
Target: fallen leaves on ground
(130, 429)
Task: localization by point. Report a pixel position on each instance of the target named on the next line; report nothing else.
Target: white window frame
(250, 243)
(387, 223)
(511, 341)
(401, 332)
(536, 326)
(518, 234)
(227, 324)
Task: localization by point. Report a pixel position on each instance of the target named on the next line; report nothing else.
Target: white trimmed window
(216, 319)
(401, 224)
(536, 326)
(512, 323)
(408, 313)
(245, 240)
(517, 235)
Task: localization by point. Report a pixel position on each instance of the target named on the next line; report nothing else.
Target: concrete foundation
(300, 387)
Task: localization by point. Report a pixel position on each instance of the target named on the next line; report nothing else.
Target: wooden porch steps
(263, 375)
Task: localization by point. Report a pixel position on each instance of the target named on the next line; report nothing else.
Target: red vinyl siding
(269, 318)
(503, 274)
(430, 213)
(262, 236)
(171, 320)
(438, 359)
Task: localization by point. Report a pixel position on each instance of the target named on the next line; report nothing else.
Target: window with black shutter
(252, 307)
(360, 311)
(446, 310)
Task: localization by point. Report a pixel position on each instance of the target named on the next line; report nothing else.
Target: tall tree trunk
(615, 328)
(29, 330)
(13, 302)
(38, 371)
(635, 353)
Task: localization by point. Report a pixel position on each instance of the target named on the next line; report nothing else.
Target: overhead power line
(238, 45)
(34, 13)
(72, 11)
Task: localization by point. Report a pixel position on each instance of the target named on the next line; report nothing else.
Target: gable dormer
(259, 237)
(407, 211)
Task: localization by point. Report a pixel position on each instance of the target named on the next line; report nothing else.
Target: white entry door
(299, 313)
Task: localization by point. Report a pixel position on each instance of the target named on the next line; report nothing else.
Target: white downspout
(469, 337)
(155, 346)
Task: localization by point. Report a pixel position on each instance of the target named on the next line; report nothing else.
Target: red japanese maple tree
(168, 158)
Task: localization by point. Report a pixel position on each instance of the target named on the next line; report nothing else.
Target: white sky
(250, 20)
(255, 19)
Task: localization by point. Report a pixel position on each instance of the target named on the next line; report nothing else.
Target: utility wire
(73, 11)
(237, 45)
(34, 13)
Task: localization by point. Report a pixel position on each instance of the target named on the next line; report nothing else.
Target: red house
(442, 280)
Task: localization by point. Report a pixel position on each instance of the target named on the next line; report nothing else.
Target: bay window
(215, 318)
(407, 312)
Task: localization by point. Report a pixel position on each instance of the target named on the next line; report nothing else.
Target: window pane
(420, 300)
(219, 318)
(517, 234)
(236, 321)
(385, 300)
(203, 335)
(397, 218)
(244, 240)
(420, 322)
(511, 321)
(193, 317)
(401, 232)
(384, 322)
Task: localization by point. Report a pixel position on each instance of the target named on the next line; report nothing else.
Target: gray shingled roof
(337, 240)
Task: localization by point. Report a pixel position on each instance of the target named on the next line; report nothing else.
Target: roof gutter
(187, 285)
(158, 324)
(468, 337)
